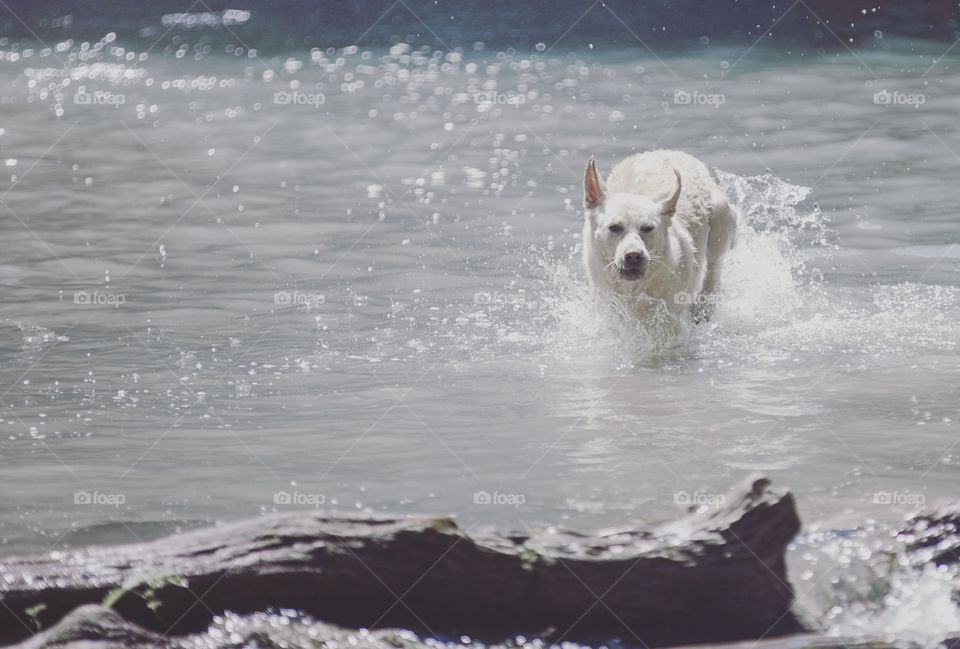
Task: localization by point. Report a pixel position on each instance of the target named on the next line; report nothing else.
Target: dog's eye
(647, 229)
(616, 228)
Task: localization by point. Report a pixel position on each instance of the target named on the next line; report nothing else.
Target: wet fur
(684, 253)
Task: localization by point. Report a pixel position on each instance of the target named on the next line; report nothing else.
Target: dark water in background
(825, 24)
(247, 268)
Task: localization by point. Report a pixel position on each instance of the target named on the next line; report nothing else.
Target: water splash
(861, 583)
(776, 300)
(767, 278)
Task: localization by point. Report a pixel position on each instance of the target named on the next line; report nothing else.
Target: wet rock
(933, 535)
(96, 627)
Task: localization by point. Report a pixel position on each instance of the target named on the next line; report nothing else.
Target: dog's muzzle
(633, 265)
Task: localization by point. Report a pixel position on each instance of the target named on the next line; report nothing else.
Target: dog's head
(629, 230)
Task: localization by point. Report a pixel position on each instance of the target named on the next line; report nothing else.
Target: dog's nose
(633, 258)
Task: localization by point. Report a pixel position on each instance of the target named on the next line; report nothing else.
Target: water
(365, 294)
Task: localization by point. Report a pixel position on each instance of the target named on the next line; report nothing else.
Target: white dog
(656, 233)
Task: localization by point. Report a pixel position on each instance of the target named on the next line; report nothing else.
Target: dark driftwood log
(709, 577)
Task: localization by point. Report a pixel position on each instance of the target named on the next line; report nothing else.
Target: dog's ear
(594, 191)
(669, 205)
